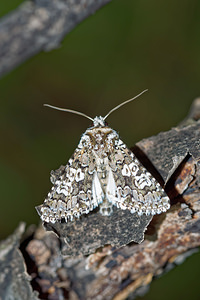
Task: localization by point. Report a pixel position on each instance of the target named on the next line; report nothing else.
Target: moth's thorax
(99, 139)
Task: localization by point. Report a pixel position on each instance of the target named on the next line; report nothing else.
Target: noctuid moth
(102, 172)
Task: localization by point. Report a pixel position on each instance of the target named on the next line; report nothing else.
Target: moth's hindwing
(136, 189)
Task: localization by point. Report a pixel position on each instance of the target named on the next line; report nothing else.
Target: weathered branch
(39, 25)
(14, 280)
(116, 273)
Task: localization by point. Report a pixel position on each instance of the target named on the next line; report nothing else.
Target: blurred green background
(124, 48)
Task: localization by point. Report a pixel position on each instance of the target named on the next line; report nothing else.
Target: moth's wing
(76, 189)
(131, 186)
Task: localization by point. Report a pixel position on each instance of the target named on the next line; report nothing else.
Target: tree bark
(39, 25)
(120, 272)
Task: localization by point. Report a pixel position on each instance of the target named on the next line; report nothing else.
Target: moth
(102, 172)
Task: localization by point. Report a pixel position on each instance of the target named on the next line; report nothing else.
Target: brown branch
(39, 25)
(116, 273)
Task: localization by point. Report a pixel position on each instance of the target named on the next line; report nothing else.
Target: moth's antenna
(70, 110)
(123, 103)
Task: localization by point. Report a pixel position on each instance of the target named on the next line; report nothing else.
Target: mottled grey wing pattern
(136, 189)
(71, 194)
(102, 171)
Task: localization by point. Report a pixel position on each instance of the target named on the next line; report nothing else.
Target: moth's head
(99, 122)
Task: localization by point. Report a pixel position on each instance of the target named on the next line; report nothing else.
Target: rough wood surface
(14, 280)
(85, 235)
(118, 273)
(39, 25)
